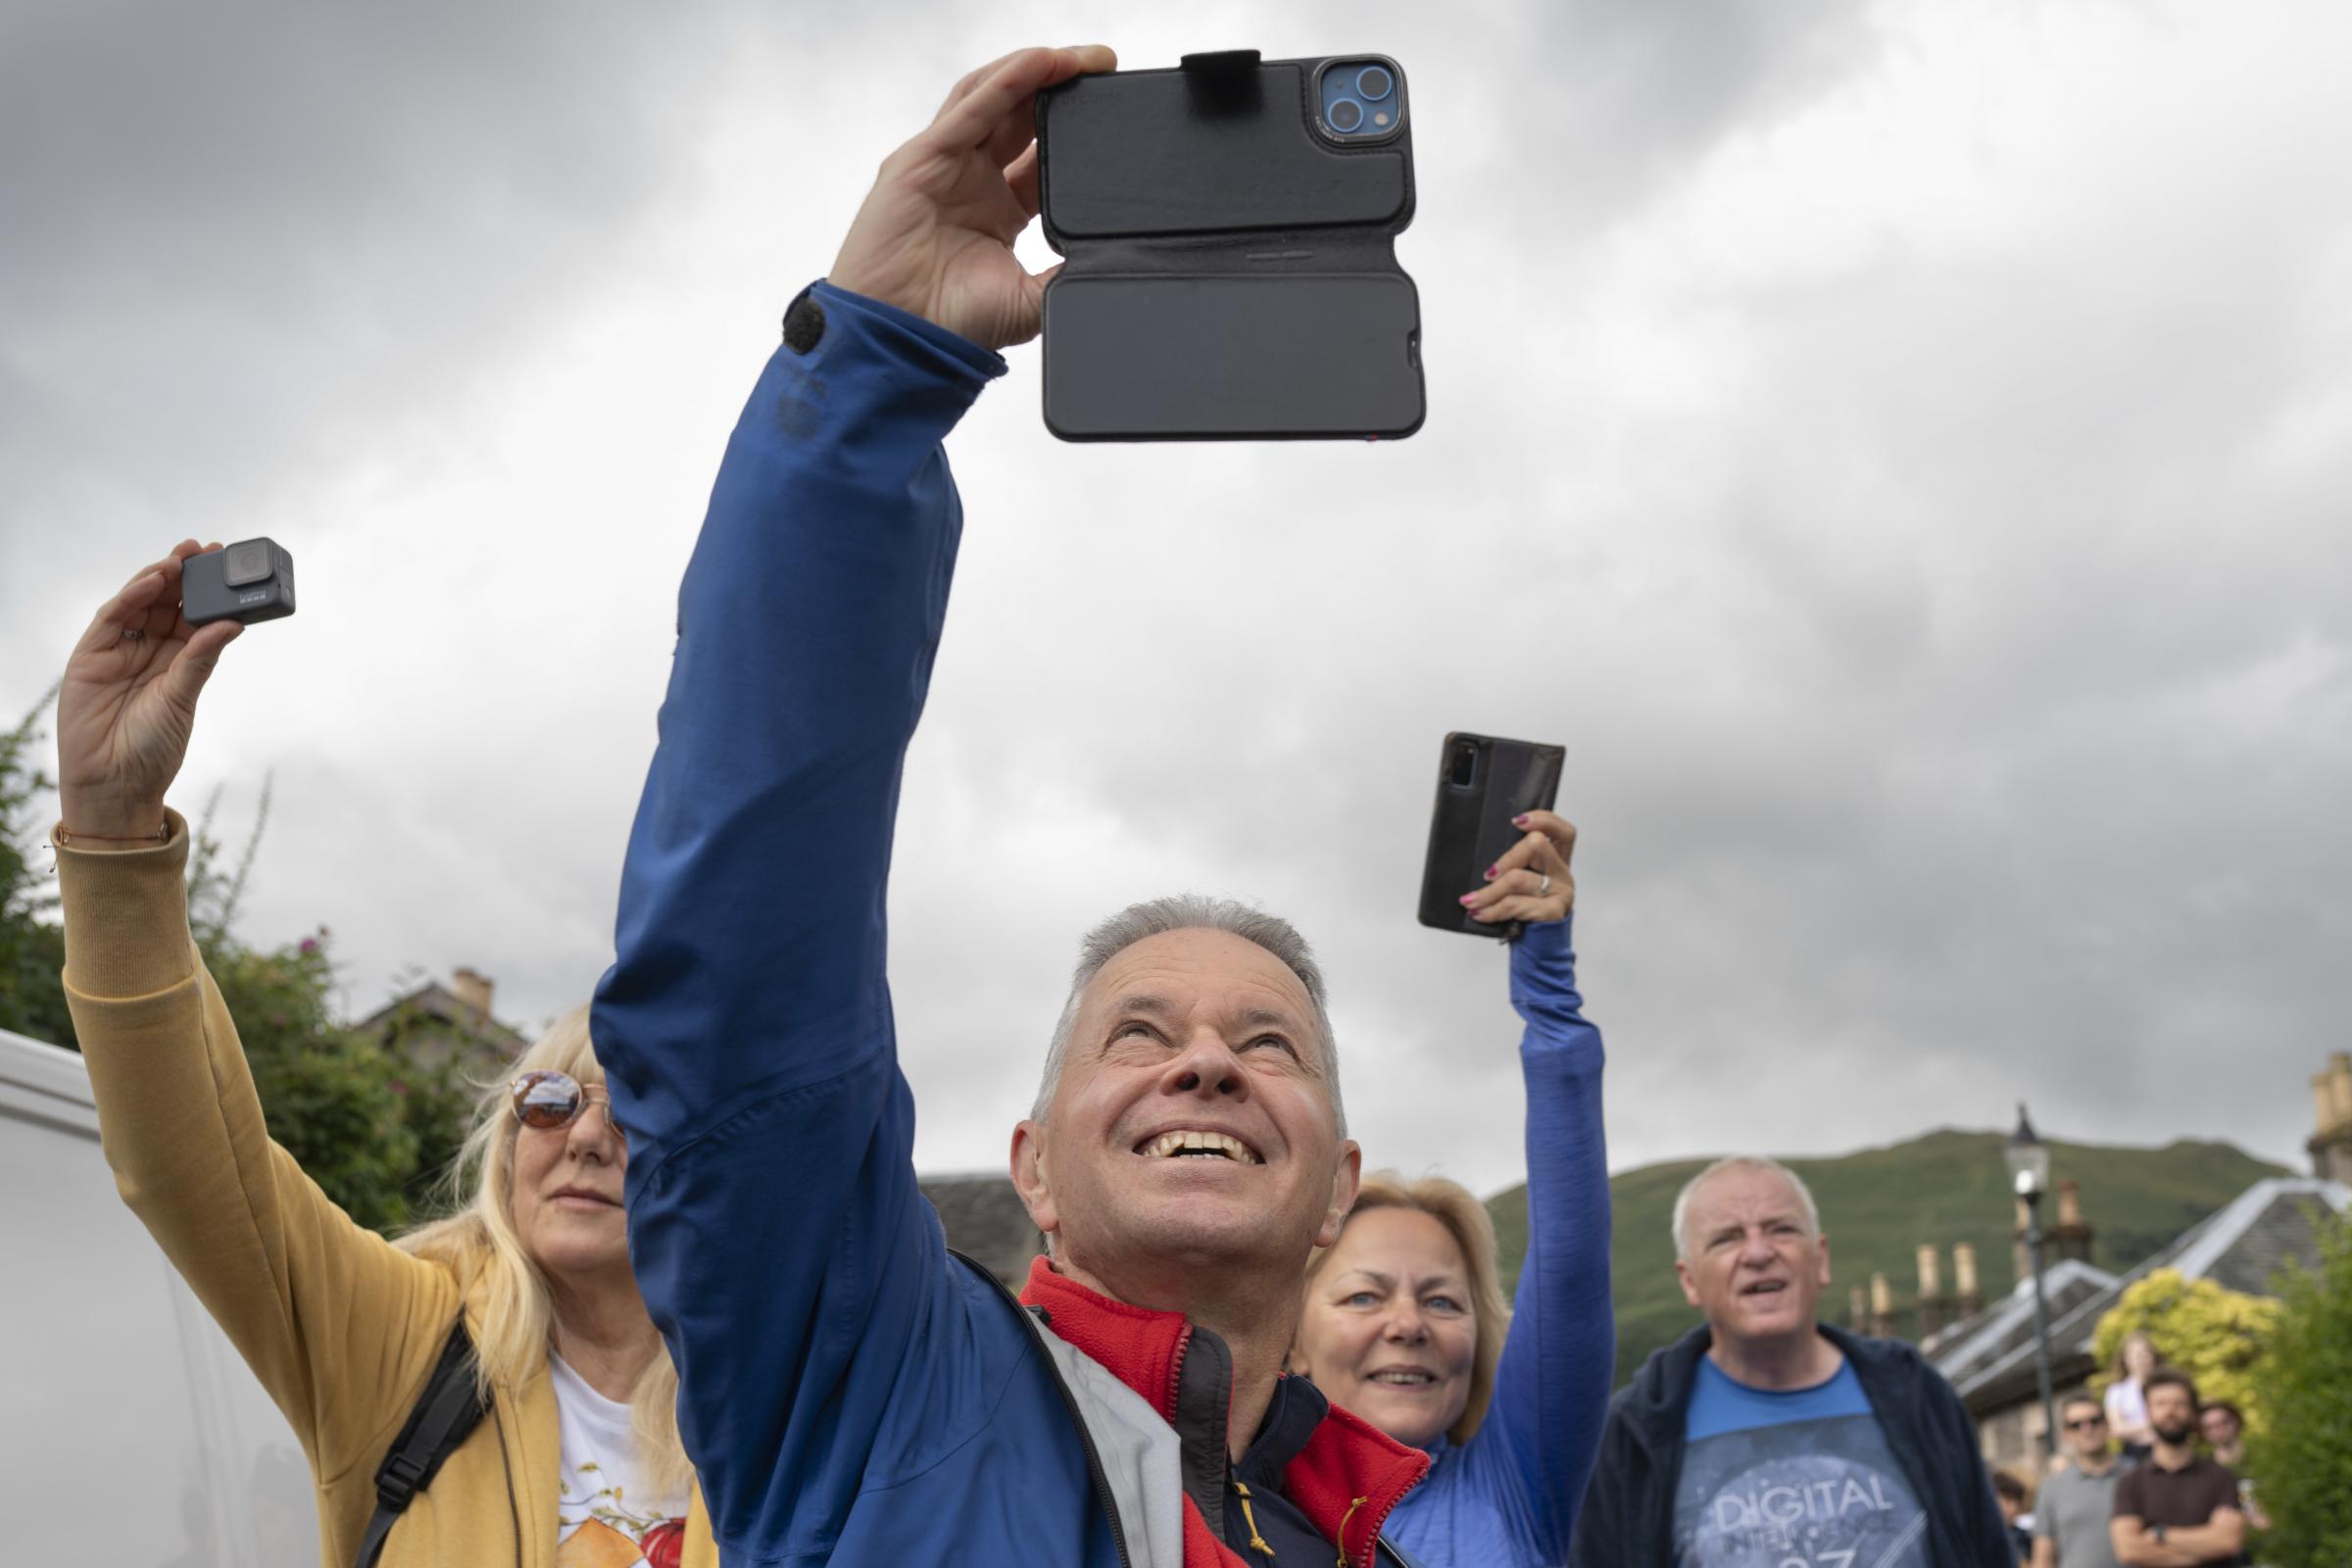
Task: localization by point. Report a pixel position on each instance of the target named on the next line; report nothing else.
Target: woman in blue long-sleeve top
(1404, 1322)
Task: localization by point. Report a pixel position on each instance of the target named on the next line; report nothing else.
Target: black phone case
(1471, 826)
(1229, 273)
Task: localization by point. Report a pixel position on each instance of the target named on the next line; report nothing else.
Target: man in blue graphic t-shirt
(1765, 1438)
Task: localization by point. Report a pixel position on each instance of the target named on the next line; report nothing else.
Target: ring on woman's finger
(1544, 888)
(131, 634)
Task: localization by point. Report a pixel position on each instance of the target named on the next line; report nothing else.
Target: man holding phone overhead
(850, 1391)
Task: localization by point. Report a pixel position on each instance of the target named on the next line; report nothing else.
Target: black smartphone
(1228, 229)
(1484, 781)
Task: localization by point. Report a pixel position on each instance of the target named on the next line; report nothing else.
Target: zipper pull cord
(1342, 1532)
(1258, 1542)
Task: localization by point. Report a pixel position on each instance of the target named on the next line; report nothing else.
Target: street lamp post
(2028, 1160)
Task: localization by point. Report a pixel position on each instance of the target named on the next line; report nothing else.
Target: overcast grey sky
(1901, 449)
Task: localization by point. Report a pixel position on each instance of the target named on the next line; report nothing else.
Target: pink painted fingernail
(1490, 873)
(1520, 820)
(1469, 898)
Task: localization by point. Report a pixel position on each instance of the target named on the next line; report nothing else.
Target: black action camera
(249, 581)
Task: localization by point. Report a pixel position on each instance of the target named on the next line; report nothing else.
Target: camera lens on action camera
(1374, 82)
(1346, 115)
(246, 563)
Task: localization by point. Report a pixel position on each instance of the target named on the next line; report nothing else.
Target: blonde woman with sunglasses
(577, 1463)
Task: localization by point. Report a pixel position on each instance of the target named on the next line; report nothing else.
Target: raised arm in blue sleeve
(1551, 1391)
(774, 1223)
(1509, 1496)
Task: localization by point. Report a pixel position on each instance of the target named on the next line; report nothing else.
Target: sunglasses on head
(549, 1099)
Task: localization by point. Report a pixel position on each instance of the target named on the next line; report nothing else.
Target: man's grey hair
(1192, 911)
(1797, 1184)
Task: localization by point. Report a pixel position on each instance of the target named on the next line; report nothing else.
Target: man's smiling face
(1193, 1125)
(1754, 1264)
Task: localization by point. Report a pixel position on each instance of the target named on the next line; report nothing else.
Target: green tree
(2220, 1337)
(2302, 1463)
(372, 1127)
(32, 950)
(364, 1121)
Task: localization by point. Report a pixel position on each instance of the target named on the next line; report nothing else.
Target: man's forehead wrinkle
(1144, 1001)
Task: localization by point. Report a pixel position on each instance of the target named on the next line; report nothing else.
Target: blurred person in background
(2017, 1506)
(2179, 1509)
(1404, 1322)
(2127, 1399)
(2224, 1428)
(2078, 1499)
(578, 1458)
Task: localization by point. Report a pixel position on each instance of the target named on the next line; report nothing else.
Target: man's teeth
(1198, 1146)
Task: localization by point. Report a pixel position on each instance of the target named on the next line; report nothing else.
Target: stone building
(1991, 1356)
(436, 1025)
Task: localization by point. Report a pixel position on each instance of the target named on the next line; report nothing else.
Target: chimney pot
(472, 987)
(1931, 1273)
(2070, 1202)
(1882, 1297)
(1964, 1269)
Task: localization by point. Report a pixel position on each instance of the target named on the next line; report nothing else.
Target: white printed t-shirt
(606, 1515)
(1796, 1480)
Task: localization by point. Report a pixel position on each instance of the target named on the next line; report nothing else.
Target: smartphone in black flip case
(1228, 272)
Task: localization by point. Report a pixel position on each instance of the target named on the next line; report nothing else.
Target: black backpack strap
(450, 1407)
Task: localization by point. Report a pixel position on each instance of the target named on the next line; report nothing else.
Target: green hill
(1878, 1206)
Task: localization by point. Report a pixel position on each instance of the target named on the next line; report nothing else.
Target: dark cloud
(1936, 578)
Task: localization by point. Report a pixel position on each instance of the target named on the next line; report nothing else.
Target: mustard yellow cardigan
(341, 1327)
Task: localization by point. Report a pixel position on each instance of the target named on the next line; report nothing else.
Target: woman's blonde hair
(477, 1239)
(1466, 1218)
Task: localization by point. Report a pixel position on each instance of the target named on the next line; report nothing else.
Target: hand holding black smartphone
(1484, 783)
(1229, 232)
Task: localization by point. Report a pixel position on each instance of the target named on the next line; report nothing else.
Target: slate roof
(1989, 1357)
(985, 1221)
(435, 1000)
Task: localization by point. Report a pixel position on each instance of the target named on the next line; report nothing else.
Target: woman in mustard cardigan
(577, 1465)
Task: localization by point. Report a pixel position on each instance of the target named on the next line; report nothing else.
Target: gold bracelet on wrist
(162, 834)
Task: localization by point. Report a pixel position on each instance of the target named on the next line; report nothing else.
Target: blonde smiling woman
(577, 1463)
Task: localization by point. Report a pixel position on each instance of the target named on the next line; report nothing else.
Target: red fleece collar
(1346, 1477)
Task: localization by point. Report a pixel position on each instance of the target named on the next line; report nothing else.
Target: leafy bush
(2220, 1337)
(33, 950)
(2302, 1463)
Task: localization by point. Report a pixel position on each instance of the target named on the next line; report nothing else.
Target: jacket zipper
(1070, 1401)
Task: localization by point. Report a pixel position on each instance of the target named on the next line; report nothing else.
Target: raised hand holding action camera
(128, 705)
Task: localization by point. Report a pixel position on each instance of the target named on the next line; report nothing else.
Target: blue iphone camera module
(1361, 100)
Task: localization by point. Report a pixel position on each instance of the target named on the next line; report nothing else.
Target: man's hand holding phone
(935, 235)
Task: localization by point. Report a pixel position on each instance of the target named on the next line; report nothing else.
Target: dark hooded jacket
(1628, 1517)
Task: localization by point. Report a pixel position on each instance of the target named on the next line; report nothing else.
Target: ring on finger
(132, 634)
(1544, 888)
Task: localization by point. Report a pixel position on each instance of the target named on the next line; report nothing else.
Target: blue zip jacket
(1508, 1496)
(849, 1393)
